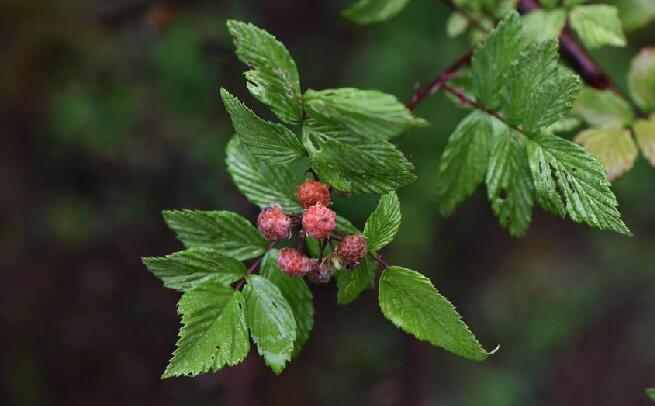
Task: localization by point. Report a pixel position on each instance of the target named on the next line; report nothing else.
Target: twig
(254, 265)
(434, 86)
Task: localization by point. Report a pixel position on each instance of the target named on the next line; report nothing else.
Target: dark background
(110, 112)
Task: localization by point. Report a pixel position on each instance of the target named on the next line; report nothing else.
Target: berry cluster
(318, 221)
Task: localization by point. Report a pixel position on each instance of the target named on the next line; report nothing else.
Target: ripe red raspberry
(311, 192)
(319, 221)
(273, 223)
(352, 249)
(293, 263)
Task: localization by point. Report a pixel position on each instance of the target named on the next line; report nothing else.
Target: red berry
(293, 263)
(352, 249)
(311, 192)
(319, 221)
(273, 223)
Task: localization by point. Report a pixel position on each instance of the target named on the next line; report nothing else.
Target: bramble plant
(339, 140)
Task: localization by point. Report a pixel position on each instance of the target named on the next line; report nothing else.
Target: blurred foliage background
(110, 113)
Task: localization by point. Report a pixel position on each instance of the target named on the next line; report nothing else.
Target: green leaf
(573, 3)
(271, 322)
(224, 231)
(456, 25)
(565, 124)
(597, 25)
(345, 226)
(269, 142)
(542, 25)
(650, 392)
(492, 59)
(263, 184)
(464, 161)
(214, 332)
(509, 181)
(641, 79)
(369, 113)
(410, 301)
(354, 163)
(190, 268)
(568, 180)
(645, 133)
(600, 108)
(373, 11)
(613, 146)
(297, 294)
(635, 14)
(352, 282)
(273, 79)
(382, 225)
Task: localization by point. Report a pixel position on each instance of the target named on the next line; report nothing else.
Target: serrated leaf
(565, 124)
(542, 25)
(373, 11)
(213, 333)
(269, 142)
(650, 392)
(613, 146)
(190, 268)
(271, 322)
(410, 301)
(352, 282)
(273, 79)
(464, 161)
(601, 108)
(368, 113)
(568, 180)
(597, 25)
(354, 163)
(641, 78)
(645, 133)
(297, 294)
(224, 231)
(382, 225)
(456, 25)
(509, 181)
(261, 183)
(550, 102)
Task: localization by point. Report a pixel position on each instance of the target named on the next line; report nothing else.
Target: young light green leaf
(368, 113)
(645, 133)
(641, 79)
(261, 183)
(464, 161)
(296, 292)
(597, 25)
(568, 180)
(382, 225)
(354, 163)
(273, 79)
(190, 268)
(601, 108)
(542, 25)
(352, 282)
(509, 182)
(214, 332)
(612, 145)
(650, 392)
(224, 231)
(410, 301)
(271, 322)
(635, 14)
(269, 142)
(373, 11)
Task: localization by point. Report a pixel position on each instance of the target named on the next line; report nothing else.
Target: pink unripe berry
(273, 223)
(293, 263)
(319, 221)
(352, 249)
(311, 192)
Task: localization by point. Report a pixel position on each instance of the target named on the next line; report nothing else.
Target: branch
(434, 86)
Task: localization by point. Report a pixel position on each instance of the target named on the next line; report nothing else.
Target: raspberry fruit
(293, 263)
(319, 221)
(321, 272)
(352, 249)
(311, 192)
(273, 223)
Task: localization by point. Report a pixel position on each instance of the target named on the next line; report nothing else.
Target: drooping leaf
(273, 79)
(224, 231)
(645, 133)
(597, 25)
(352, 282)
(214, 332)
(542, 25)
(464, 161)
(368, 113)
(601, 108)
(271, 322)
(261, 183)
(568, 180)
(190, 268)
(410, 301)
(269, 142)
(382, 225)
(613, 146)
(373, 11)
(641, 79)
(297, 294)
